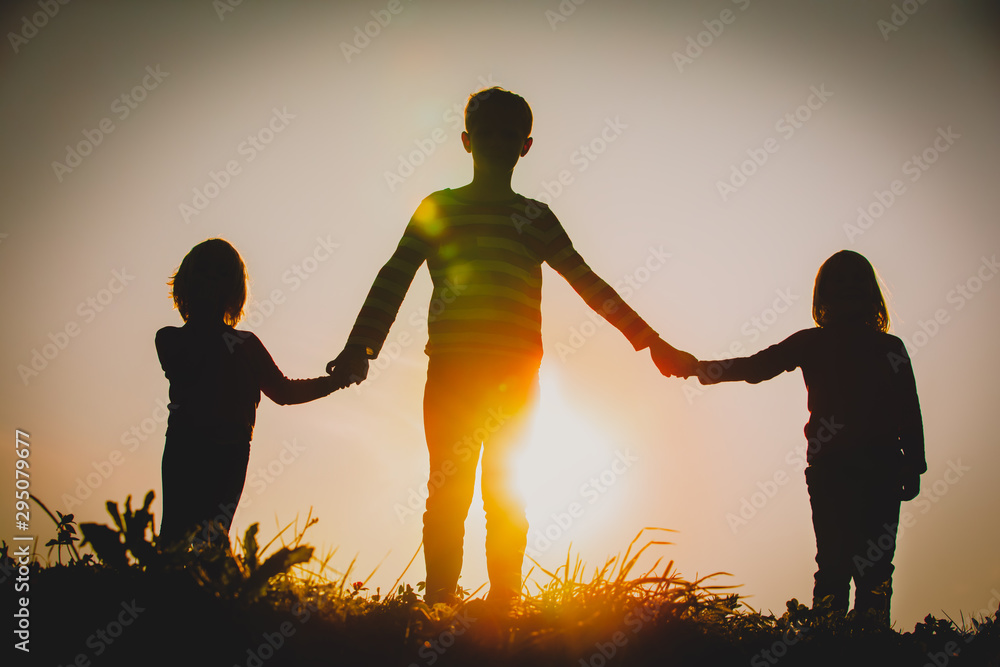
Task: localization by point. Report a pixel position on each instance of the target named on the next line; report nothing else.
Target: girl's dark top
(217, 374)
(863, 407)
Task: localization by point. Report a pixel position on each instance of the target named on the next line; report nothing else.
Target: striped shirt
(485, 264)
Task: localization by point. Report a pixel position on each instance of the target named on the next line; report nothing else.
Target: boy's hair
(498, 100)
(847, 292)
(210, 283)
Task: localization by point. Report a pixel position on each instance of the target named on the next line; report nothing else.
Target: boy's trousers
(475, 403)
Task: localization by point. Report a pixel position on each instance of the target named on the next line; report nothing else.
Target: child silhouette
(484, 245)
(216, 375)
(866, 443)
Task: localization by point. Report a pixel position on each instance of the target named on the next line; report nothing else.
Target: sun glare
(563, 468)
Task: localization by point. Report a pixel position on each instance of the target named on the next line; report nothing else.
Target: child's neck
(488, 186)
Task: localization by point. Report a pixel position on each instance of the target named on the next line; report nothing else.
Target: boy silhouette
(484, 337)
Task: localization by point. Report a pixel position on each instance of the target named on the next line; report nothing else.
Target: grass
(227, 604)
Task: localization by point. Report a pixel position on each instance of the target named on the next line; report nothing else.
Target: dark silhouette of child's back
(865, 435)
(863, 410)
(216, 375)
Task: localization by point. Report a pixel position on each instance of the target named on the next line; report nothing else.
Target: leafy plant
(65, 535)
(134, 535)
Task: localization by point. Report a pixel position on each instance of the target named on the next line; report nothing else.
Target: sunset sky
(705, 158)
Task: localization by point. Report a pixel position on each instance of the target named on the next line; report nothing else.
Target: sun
(563, 467)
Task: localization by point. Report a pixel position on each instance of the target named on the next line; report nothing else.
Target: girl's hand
(910, 486)
(350, 367)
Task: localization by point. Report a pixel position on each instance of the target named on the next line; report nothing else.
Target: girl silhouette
(866, 443)
(216, 375)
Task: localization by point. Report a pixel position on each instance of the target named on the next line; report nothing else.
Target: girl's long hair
(210, 283)
(847, 292)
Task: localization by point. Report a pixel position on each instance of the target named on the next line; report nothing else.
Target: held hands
(672, 362)
(350, 367)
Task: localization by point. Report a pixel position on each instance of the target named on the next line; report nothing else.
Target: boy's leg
(831, 516)
(453, 448)
(506, 523)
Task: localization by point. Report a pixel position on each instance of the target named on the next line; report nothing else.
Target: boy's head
(494, 106)
(497, 128)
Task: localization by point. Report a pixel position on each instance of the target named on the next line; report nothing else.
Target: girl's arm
(273, 382)
(911, 428)
(764, 365)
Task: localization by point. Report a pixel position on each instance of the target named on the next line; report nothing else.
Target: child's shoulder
(859, 335)
(167, 334)
(527, 214)
(456, 196)
(189, 331)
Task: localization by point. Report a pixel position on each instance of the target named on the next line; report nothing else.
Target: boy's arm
(598, 294)
(381, 306)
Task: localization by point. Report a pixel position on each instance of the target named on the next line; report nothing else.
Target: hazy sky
(705, 157)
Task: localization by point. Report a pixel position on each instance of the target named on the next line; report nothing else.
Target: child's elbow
(280, 398)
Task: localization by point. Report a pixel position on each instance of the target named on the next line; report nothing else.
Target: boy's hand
(672, 362)
(350, 366)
